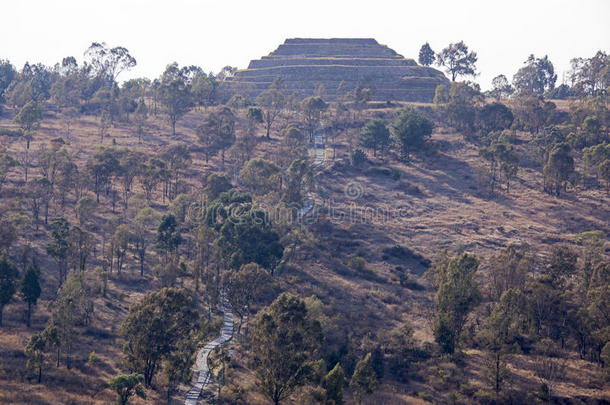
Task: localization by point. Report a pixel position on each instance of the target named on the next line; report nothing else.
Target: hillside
(395, 215)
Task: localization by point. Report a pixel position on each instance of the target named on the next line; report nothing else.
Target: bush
(357, 158)
(357, 264)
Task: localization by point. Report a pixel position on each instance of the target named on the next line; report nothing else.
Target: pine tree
(30, 288)
(364, 380)
(333, 383)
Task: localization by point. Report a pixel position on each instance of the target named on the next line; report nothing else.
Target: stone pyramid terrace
(303, 64)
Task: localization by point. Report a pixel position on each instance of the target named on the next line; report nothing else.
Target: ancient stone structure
(304, 64)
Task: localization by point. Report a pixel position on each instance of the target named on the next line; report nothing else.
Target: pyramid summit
(305, 63)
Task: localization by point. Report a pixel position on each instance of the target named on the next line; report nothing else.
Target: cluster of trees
(525, 305)
(222, 238)
(408, 132)
(556, 138)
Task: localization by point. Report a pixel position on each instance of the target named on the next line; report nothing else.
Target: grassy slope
(434, 204)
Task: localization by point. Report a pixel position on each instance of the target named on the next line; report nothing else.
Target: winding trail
(201, 364)
(319, 159)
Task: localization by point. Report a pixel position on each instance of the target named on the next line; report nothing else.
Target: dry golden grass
(448, 210)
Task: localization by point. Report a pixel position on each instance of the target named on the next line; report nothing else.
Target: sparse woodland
(457, 251)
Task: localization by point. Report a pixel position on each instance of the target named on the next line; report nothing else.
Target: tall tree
(458, 60)
(248, 236)
(284, 343)
(217, 133)
(499, 337)
(29, 288)
(536, 77)
(333, 384)
(177, 157)
(142, 227)
(426, 55)
(130, 166)
(375, 135)
(558, 169)
(154, 327)
(260, 175)
(35, 352)
(410, 129)
(245, 287)
(169, 236)
(28, 118)
(8, 282)
(272, 101)
(120, 242)
(312, 108)
(109, 62)
(364, 380)
(457, 294)
(175, 94)
(501, 88)
(59, 245)
(178, 366)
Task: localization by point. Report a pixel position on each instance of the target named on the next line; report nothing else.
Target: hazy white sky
(214, 34)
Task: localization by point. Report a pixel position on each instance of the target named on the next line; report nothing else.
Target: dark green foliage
(532, 113)
(357, 158)
(457, 60)
(260, 175)
(249, 237)
(30, 288)
(457, 294)
(495, 117)
(217, 183)
(461, 106)
(29, 118)
(426, 55)
(8, 282)
(298, 179)
(7, 75)
(126, 386)
(410, 129)
(155, 326)
(364, 380)
(402, 351)
(168, 235)
(175, 94)
(284, 343)
(246, 286)
(500, 335)
(502, 159)
(536, 77)
(333, 383)
(558, 169)
(35, 352)
(178, 366)
(375, 135)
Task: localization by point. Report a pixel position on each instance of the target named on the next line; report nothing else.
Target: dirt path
(319, 159)
(201, 364)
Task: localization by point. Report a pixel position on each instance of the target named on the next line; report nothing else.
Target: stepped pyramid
(304, 63)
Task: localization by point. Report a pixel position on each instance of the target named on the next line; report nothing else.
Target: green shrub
(357, 158)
